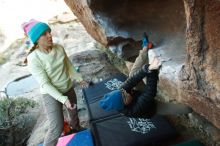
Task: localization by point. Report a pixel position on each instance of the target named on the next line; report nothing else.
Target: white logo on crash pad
(113, 84)
(141, 125)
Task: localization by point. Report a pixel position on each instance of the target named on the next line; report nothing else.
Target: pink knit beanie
(34, 29)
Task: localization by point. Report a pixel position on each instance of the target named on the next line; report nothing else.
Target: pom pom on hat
(112, 101)
(34, 29)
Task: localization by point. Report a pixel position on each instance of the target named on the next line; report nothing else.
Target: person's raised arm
(144, 105)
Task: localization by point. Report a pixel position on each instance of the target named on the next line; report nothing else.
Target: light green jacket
(53, 71)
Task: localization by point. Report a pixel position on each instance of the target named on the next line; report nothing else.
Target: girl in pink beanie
(52, 69)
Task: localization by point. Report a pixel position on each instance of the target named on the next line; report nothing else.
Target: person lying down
(133, 103)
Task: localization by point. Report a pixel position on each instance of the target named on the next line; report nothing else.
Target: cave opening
(126, 20)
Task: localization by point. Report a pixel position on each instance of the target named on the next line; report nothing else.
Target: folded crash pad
(96, 91)
(82, 138)
(125, 131)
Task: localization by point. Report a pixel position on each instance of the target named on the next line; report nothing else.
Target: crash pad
(125, 131)
(96, 91)
(82, 138)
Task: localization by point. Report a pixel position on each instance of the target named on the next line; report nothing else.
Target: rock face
(185, 33)
(201, 73)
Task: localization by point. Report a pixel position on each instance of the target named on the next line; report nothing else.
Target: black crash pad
(124, 131)
(96, 91)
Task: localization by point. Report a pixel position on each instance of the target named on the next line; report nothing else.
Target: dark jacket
(144, 103)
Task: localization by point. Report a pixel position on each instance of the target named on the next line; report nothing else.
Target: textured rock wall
(201, 74)
(186, 33)
(81, 9)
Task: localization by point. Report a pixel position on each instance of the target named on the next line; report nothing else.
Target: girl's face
(45, 41)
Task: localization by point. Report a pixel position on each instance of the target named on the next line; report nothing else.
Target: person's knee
(56, 128)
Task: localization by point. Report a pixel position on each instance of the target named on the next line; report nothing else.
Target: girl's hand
(84, 84)
(69, 105)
